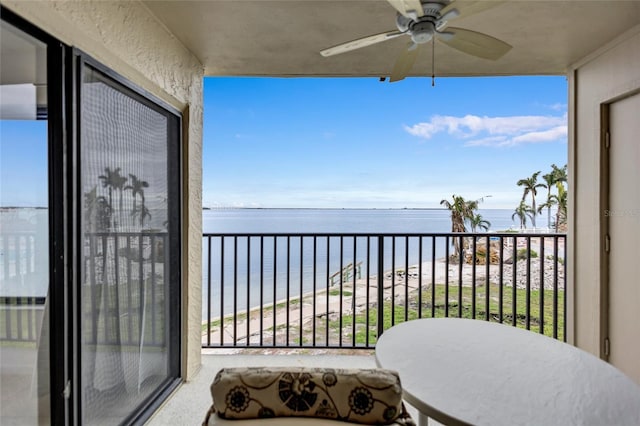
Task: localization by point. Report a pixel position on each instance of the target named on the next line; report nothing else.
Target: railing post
(380, 285)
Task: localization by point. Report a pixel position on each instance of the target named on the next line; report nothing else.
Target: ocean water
(346, 220)
(24, 266)
(285, 267)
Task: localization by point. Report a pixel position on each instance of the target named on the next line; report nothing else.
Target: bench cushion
(276, 421)
(365, 396)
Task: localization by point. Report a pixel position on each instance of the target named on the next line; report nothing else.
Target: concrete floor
(18, 383)
(189, 404)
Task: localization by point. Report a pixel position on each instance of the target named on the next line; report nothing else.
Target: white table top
(459, 371)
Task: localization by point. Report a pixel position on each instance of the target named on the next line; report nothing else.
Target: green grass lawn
(448, 303)
(439, 309)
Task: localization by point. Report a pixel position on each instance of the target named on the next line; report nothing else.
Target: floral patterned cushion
(365, 396)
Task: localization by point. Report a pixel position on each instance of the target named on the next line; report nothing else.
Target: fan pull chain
(433, 62)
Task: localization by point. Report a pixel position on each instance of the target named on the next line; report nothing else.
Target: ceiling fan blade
(468, 8)
(409, 8)
(404, 63)
(475, 43)
(361, 42)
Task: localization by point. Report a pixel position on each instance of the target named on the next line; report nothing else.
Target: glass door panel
(24, 230)
(127, 294)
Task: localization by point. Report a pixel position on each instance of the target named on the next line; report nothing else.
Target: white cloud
(550, 135)
(489, 141)
(559, 132)
(558, 107)
(494, 131)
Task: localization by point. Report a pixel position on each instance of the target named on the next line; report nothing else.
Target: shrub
(522, 254)
(559, 259)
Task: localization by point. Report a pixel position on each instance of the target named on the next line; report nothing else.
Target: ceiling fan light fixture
(422, 32)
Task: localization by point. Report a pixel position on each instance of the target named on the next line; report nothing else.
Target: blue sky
(349, 142)
(360, 143)
(23, 163)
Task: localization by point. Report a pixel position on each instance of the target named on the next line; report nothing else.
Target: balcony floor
(190, 402)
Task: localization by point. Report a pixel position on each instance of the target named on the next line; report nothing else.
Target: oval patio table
(462, 371)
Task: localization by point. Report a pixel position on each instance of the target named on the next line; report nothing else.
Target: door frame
(604, 231)
(58, 206)
(605, 206)
(604, 234)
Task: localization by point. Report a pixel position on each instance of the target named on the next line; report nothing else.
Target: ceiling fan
(424, 21)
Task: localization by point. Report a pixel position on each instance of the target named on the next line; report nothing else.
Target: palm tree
(477, 221)
(97, 212)
(549, 182)
(559, 200)
(531, 186)
(106, 182)
(142, 212)
(559, 175)
(113, 180)
(522, 211)
(461, 210)
(90, 207)
(137, 188)
(561, 214)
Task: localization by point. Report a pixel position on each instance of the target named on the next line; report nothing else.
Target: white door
(624, 227)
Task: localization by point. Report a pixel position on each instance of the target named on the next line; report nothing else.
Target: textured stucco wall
(126, 37)
(611, 72)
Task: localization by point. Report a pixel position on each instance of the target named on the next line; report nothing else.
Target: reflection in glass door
(130, 259)
(24, 230)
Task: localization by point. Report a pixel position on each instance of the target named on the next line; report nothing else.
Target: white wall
(126, 37)
(609, 73)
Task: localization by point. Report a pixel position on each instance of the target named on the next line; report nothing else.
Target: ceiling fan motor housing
(432, 9)
(421, 28)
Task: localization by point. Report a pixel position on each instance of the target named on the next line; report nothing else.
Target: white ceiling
(24, 59)
(23, 74)
(283, 37)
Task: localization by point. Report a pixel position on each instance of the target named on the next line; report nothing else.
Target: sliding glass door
(90, 248)
(129, 153)
(24, 230)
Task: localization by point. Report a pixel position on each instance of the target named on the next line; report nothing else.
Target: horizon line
(338, 208)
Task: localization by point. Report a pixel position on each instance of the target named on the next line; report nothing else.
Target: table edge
(427, 409)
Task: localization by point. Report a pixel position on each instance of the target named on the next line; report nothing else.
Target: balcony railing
(318, 290)
(343, 290)
(23, 277)
(123, 288)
